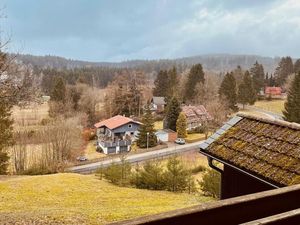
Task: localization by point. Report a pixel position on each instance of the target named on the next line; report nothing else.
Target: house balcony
(115, 147)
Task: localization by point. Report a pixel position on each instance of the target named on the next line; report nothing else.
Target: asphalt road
(92, 167)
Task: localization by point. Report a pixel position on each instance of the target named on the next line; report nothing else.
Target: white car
(82, 158)
(180, 141)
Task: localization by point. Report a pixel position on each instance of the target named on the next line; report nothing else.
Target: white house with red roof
(116, 134)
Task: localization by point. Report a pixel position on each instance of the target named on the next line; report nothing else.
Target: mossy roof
(267, 148)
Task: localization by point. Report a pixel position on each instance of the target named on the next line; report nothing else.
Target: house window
(130, 125)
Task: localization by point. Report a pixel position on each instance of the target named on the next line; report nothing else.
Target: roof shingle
(267, 148)
(115, 122)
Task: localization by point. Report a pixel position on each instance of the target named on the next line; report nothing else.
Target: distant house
(257, 154)
(273, 91)
(116, 134)
(158, 104)
(166, 135)
(195, 115)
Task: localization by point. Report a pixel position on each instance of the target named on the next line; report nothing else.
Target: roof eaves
(238, 169)
(221, 131)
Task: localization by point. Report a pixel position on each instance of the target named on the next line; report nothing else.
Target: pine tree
(181, 125)
(58, 92)
(7, 96)
(195, 76)
(292, 105)
(228, 91)
(161, 84)
(297, 66)
(258, 76)
(246, 92)
(173, 110)
(147, 131)
(238, 75)
(6, 137)
(151, 176)
(173, 83)
(176, 176)
(283, 70)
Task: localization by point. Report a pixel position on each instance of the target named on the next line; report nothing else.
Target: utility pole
(147, 140)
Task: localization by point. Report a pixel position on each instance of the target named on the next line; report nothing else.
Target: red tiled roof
(273, 90)
(115, 122)
(196, 113)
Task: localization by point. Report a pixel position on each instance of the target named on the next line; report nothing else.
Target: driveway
(139, 157)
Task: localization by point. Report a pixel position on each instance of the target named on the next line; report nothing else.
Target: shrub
(119, 174)
(198, 169)
(211, 183)
(150, 177)
(177, 177)
(38, 170)
(89, 134)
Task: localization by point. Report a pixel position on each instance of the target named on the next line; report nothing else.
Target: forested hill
(214, 62)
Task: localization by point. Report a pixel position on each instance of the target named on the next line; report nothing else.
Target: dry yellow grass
(81, 199)
(195, 137)
(91, 153)
(30, 116)
(158, 125)
(275, 106)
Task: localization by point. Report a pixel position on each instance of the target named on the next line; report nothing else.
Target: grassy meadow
(275, 106)
(81, 199)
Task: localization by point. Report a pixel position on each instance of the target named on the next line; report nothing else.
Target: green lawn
(81, 199)
(275, 106)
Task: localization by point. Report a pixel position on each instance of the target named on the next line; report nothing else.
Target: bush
(197, 130)
(89, 134)
(211, 183)
(38, 170)
(45, 121)
(150, 177)
(119, 174)
(198, 169)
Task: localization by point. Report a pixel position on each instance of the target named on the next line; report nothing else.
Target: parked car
(82, 158)
(180, 141)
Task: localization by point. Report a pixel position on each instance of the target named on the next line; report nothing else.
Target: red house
(273, 91)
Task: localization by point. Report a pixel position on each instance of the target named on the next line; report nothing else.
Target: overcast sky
(111, 30)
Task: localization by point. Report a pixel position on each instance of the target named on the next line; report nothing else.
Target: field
(275, 106)
(195, 137)
(31, 116)
(81, 199)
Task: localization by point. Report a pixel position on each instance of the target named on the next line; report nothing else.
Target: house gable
(128, 127)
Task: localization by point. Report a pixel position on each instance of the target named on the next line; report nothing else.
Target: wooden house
(257, 154)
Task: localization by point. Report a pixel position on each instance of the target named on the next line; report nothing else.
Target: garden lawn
(81, 199)
(275, 106)
(158, 125)
(195, 137)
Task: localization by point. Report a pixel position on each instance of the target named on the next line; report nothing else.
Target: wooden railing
(276, 207)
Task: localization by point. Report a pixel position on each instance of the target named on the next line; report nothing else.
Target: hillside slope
(80, 199)
(212, 62)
